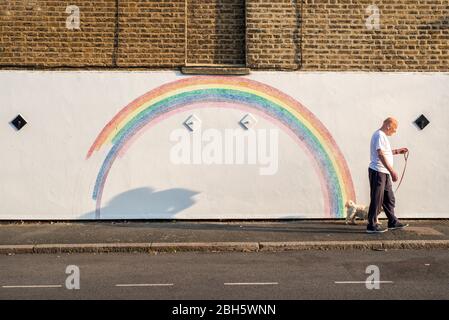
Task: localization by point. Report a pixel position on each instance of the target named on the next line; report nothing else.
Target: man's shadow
(145, 203)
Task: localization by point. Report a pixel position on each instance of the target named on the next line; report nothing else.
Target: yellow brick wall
(413, 35)
(216, 32)
(34, 32)
(151, 33)
(273, 30)
(322, 35)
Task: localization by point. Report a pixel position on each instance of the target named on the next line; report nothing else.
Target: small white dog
(355, 211)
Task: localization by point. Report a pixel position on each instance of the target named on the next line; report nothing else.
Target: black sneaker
(397, 225)
(376, 229)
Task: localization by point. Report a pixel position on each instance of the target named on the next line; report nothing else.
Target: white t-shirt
(380, 141)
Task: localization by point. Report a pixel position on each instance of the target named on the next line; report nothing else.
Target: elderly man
(381, 173)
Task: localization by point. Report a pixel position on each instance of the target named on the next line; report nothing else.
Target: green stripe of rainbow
(277, 105)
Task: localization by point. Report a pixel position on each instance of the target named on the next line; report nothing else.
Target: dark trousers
(381, 196)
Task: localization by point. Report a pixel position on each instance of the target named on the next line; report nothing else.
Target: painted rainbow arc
(281, 108)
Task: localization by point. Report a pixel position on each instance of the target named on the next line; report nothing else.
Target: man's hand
(401, 151)
(394, 176)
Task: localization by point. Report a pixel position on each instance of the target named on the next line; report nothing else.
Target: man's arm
(394, 175)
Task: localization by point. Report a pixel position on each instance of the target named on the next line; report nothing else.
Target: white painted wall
(45, 175)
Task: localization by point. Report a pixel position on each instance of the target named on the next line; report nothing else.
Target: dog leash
(403, 171)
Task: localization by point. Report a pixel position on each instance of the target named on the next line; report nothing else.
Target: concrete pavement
(243, 236)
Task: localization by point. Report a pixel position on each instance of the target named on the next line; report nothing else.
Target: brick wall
(273, 34)
(216, 32)
(151, 33)
(280, 34)
(413, 35)
(34, 32)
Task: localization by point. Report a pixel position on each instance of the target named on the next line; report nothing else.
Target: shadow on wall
(145, 203)
(441, 24)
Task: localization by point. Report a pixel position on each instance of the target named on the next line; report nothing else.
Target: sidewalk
(138, 236)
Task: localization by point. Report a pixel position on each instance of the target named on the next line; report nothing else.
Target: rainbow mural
(289, 114)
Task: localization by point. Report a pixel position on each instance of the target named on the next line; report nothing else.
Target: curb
(222, 246)
(355, 245)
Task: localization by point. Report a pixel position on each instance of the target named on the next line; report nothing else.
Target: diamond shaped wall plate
(422, 122)
(19, 122)
(248, 121)
(192, 123)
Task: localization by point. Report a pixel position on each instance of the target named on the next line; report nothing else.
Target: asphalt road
(403, 274)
